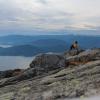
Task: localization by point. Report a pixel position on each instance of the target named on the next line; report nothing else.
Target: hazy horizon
(31, 34)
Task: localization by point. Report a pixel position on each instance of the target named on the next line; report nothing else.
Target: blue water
(12, 62)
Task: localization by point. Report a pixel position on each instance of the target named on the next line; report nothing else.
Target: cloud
(25, 15)
(42, 1)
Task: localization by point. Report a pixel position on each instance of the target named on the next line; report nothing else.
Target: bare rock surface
(10, 73)
(48, 62)
(70, 77)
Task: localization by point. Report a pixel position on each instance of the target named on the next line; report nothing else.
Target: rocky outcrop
(41, 65)
(10, 73)
(55, 77)
(84, 57)
(47, 62)
(72, 53)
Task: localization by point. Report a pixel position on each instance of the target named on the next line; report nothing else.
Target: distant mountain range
(32, 45)
(34, 48)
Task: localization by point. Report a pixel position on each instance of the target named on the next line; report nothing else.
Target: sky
(49, 16)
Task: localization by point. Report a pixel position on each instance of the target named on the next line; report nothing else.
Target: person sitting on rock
(74, 46)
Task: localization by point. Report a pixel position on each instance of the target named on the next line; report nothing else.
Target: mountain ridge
(44, 43)
(54, 77)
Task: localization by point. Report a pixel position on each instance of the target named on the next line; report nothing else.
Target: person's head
(76, 42)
